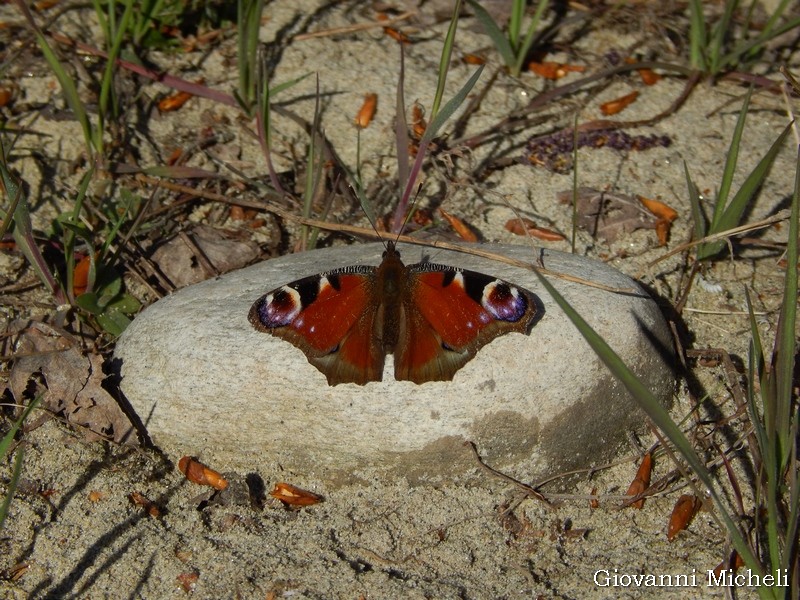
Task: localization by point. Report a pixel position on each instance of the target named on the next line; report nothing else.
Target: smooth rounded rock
(204, 382)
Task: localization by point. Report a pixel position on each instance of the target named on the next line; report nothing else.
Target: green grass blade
(778, 403)
(777, 13)
(698, 216)
(515, 23)
(755, 368)
(430, 132)
(118, 35)
(8, 438)
(718, 35)
(401, 128)
(66, 82)
(5, 446)
(495, 33)
(23, 230)
(785, 342)
(732, 214)
(444, 61)
(731, 59)
(730, 164)
(448, 109)
(793, 480)
(662, 420)
(248, 22)
(523, 49)
(697, 36)
(12, 485)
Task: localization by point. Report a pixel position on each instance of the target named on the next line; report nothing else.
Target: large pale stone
(206, 383)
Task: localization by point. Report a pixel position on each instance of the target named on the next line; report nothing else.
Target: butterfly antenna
(411, 209)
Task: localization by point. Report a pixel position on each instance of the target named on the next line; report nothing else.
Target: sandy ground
(72, 530)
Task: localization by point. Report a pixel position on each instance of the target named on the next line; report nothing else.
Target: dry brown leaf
(73, 384)
(224, 250)
(607, 215)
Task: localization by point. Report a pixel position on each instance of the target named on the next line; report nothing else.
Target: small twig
(529, 491)
(371, 234)
(783, 215)
(353, 28)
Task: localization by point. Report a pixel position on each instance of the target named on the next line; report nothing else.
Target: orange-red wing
(324, 323)
(328, 317)
(449, 311)
(419, 356)
(449, 315)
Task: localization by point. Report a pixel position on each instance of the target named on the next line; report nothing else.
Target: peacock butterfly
(433, 318)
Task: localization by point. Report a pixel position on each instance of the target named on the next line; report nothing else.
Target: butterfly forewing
(324, 316)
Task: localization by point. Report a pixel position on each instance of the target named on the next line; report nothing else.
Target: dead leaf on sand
(607, 215)
(203, 253)
(71, 384)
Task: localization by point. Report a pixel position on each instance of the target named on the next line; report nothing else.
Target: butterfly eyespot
(504, 301)
(279, 308)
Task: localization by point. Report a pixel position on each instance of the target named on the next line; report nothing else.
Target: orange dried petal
(418, 123)
(614, 106)
(198, 473)
(553, 70)
(188, 580)
(473, 59)
(642, 480)
(519, 226)
(367, 111)
(80, 274)
(526, 226)
(659, 209)
(143, 501)
(461, 228)
(546, 235)
(293, 495)
(174, 102)
(594, 502)
(662, 231)
(397, 35)
(682, 514)
(648, 76)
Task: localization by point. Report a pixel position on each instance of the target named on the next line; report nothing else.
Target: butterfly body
(433, 318)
